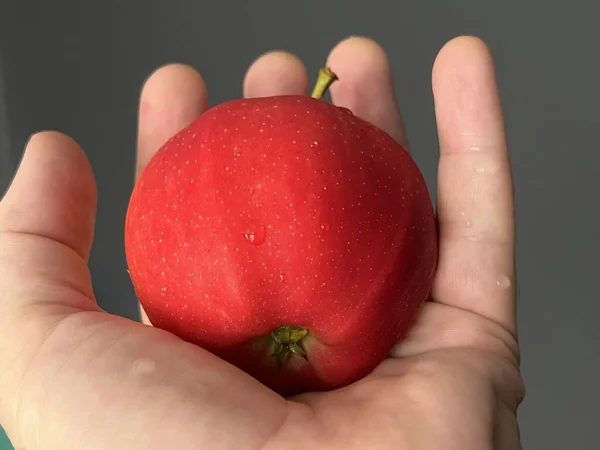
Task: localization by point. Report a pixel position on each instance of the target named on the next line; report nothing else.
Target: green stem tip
(325, 79)
(287, 341)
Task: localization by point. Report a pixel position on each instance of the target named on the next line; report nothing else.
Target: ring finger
(172, 97)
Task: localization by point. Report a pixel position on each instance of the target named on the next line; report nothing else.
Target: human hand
(76, 377)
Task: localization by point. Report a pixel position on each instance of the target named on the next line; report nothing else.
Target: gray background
(78, 66)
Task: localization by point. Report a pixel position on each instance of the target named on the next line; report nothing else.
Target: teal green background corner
(4, 442)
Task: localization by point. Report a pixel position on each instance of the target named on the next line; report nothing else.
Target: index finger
(172, 97)
(476, 268)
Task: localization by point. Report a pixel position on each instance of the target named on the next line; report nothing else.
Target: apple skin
(283, 211)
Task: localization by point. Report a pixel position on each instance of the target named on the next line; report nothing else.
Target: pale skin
(76, 377)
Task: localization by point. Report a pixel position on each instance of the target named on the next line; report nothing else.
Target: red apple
(285, 235)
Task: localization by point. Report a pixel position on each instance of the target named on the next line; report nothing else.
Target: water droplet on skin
(256, 237)
(468, 224)
(479, 170)
(325, 226)
(503, 282)
(142, 366)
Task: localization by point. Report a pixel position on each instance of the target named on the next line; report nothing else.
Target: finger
(172, 97)
(275, 73)
(442, 327)
(53, 195)
(365, 85)
(46, 230)
(475, 192)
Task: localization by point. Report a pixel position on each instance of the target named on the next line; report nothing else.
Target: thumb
(53, 195)
(46, 231)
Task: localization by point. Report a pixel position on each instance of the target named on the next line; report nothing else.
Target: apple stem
(286, 341)
(324, 80)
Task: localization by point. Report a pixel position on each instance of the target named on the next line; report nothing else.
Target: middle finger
(172, 97)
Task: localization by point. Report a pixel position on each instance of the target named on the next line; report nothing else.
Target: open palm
(76, 377)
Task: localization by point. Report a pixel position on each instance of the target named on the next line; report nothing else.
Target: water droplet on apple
(325, 226)
(256, 237)
(282, 276)
(345, 110)
(236, 151)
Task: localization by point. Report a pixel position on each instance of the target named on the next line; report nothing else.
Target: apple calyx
(325, 79)
(287, 341)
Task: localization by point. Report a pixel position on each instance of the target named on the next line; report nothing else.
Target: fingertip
(175, 84)
(52, 146)
(465, 90)
(367, 50)
(464, 43)
(276, 72)
(366, 84)
(464, 54)
(51, 140)
(359, 61)
(48, 143)
(53, 193)
(172, 97)
(173, 81)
